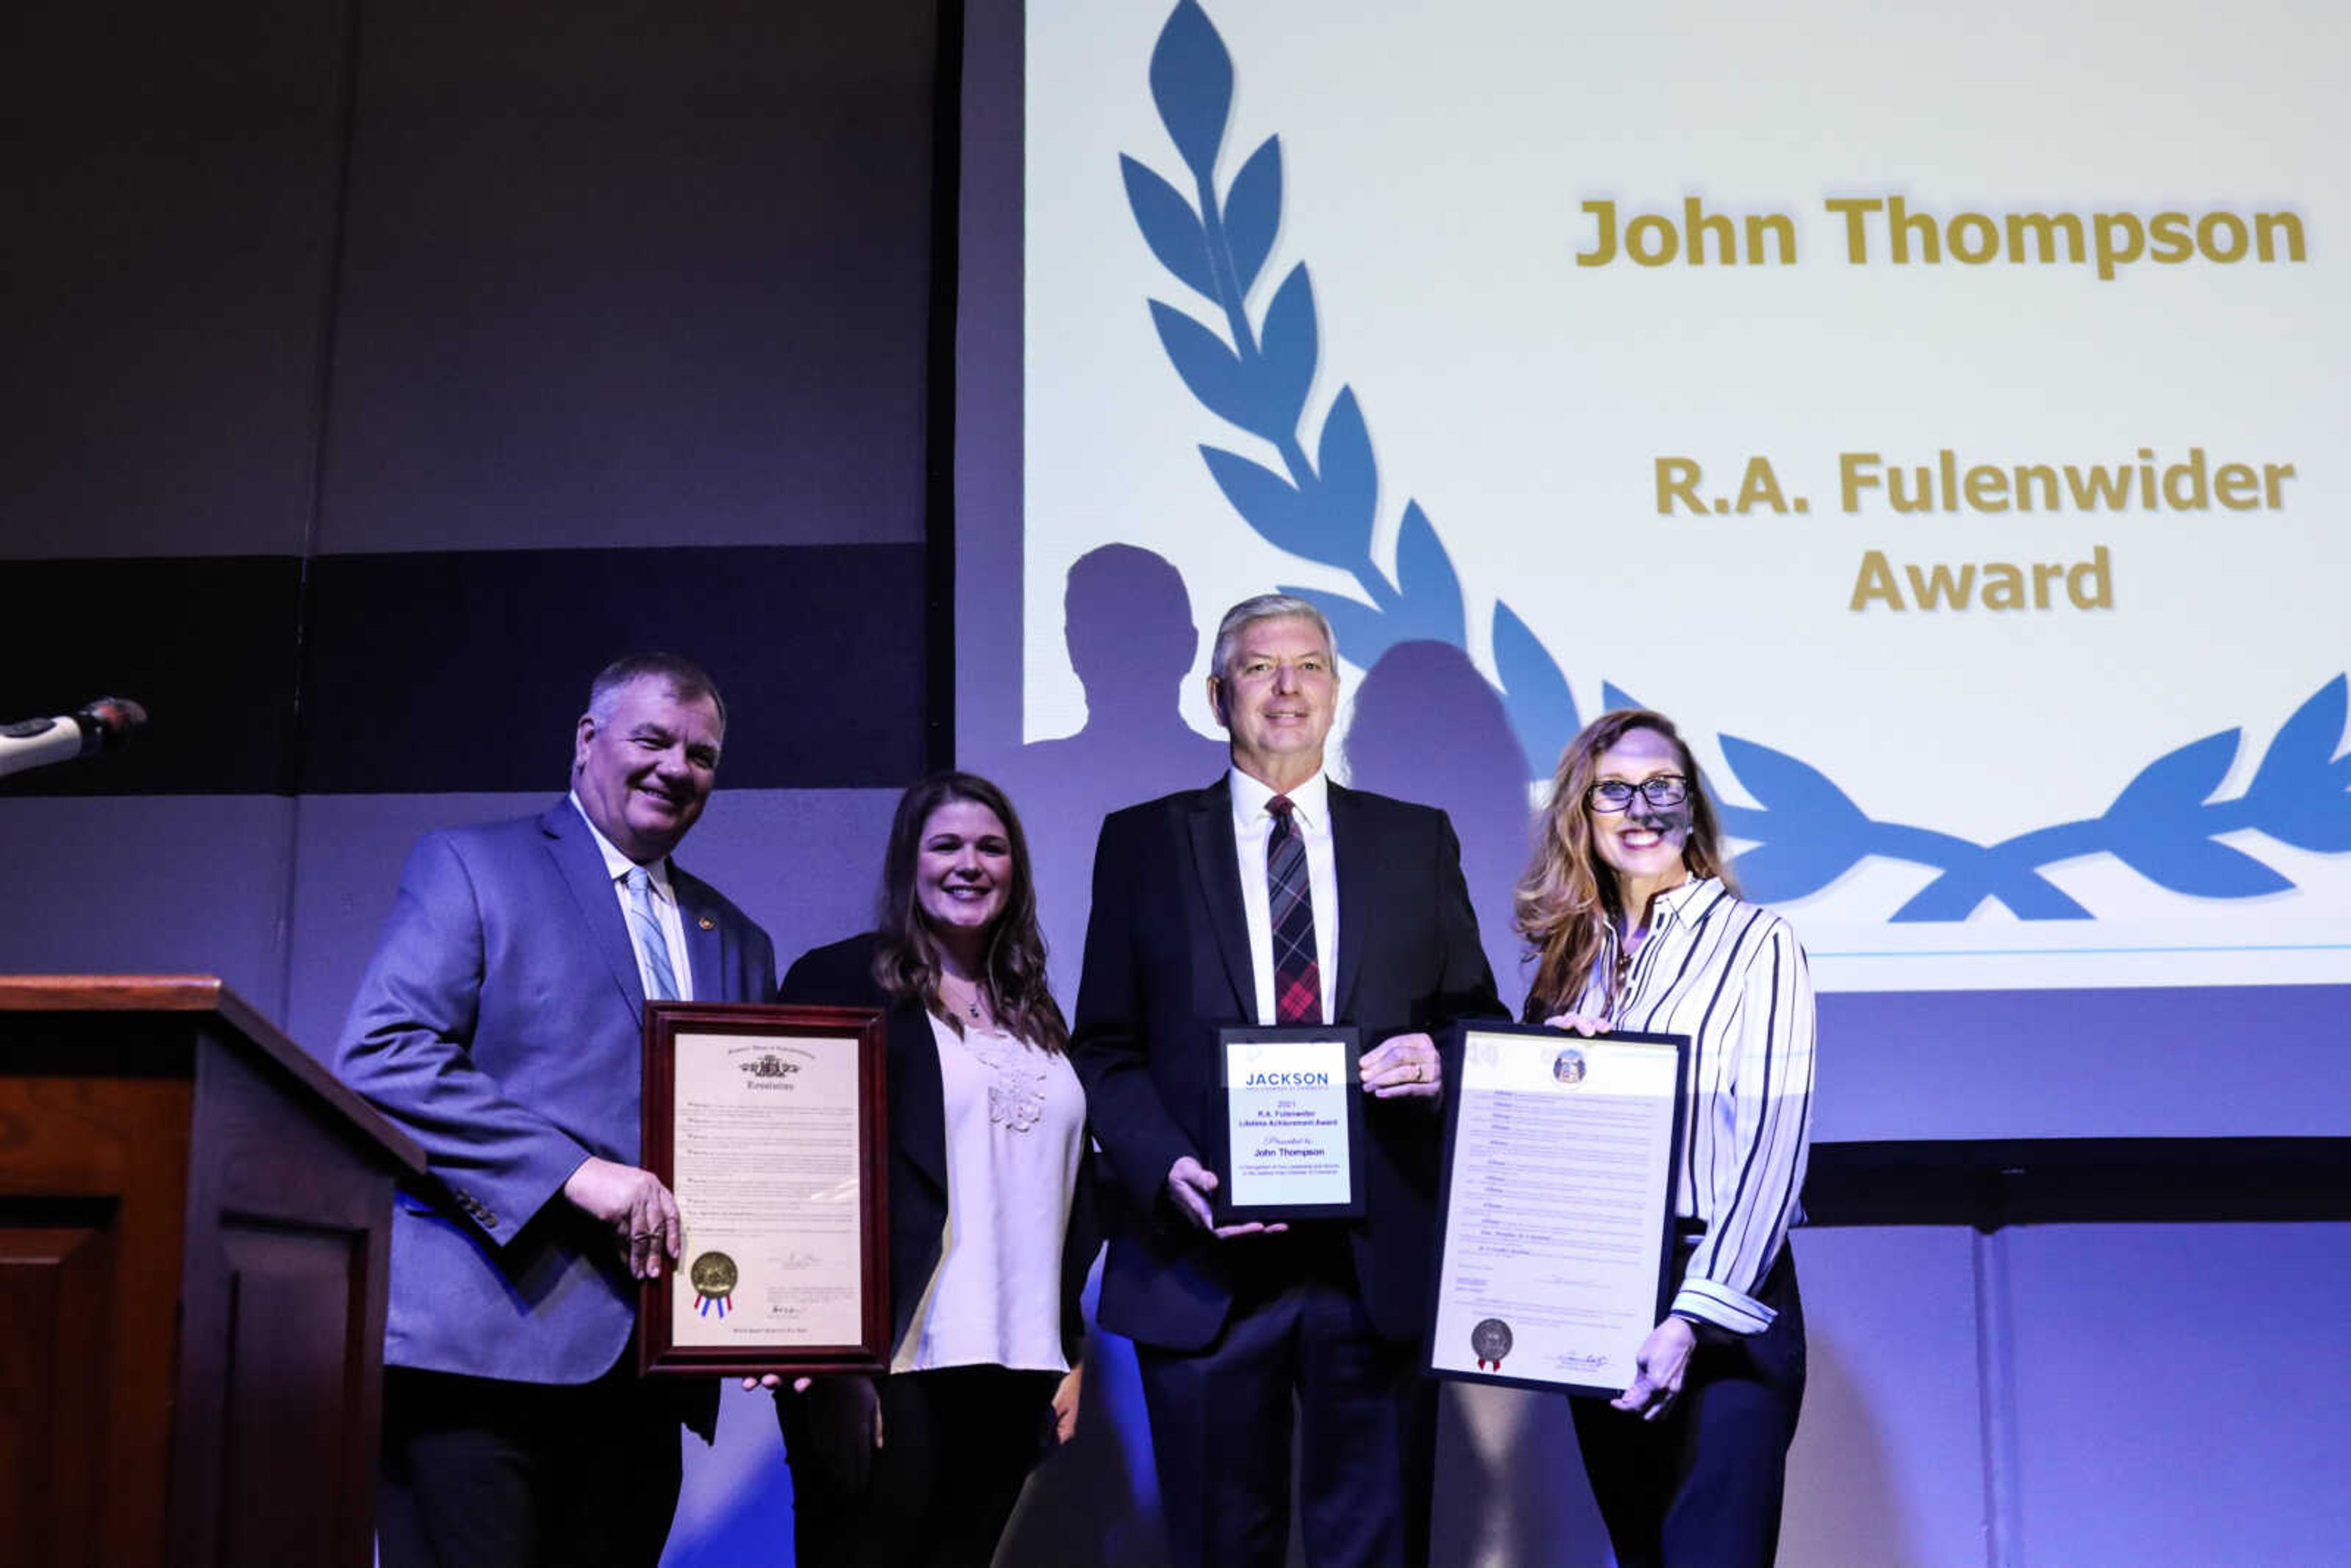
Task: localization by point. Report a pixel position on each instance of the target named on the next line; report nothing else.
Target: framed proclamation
(769, 1125)
(1289, 1125)
(1555, 1220)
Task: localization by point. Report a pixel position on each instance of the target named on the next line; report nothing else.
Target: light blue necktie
(652, 945)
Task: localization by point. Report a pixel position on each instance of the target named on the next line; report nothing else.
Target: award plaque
(1291, 1125)
(769, 1125)
(1555, 1223)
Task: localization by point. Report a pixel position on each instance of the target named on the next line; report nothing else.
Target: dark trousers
(1700, 1487)
(479, 1473)
(957, 1445)
(1296, 1346)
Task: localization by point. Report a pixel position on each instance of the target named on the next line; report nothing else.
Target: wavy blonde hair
(1562, 904)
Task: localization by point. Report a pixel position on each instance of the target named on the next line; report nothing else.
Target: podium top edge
(117, 993)
(206, 993)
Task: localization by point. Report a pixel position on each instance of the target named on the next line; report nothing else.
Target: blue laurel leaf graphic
(1364, 634)
(1805, 831)
(1253, 212)
(1213, 371)
(1351, 481)
(2174, 784)
(2299, 793)
(1192, 84)
(1289, 346)
(2157, 831)
(1541, 708)
(1429, 589)
(1954, 895)
(1614, 697)
(1814, 830)
(1272, 505)
(1169, 225)
(2202, 868)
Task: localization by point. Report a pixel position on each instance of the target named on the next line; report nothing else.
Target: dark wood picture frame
(849, 1028)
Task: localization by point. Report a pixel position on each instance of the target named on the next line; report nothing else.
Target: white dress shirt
(1253, 825)
(618, 867)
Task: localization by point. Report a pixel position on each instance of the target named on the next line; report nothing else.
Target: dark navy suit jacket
(499, 1025)
(1167, 964)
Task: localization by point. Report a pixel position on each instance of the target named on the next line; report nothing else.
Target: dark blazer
(842, 975)
(1167, 963)
(499, 1025)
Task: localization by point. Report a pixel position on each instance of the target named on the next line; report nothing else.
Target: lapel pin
(708, 924)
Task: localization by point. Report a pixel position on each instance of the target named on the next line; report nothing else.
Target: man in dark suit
(498, 1024)
(1275, 896)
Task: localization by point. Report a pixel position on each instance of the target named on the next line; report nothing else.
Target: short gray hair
(686, 680)
(1267, 606)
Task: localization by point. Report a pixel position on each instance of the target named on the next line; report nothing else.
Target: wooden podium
(195, 1222)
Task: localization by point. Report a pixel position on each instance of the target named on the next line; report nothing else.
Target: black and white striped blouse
(1731, 976)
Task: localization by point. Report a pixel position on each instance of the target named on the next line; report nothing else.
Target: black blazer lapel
(918, 1103)
(582, 865)
(1216, 865)
(1351, 858)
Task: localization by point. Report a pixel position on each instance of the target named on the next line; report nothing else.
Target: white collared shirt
(672, 923)
(1253, 825)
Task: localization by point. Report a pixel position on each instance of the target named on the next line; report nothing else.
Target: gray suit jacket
(499, 1024)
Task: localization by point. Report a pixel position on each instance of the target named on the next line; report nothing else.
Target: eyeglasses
(1616, 794)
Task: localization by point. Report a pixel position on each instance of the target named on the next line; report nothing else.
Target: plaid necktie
(644, 925)
(1297, 978)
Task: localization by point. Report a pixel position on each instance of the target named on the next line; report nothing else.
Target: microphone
(100, 726)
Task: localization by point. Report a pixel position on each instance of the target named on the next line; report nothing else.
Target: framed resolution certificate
(1555, 1225)
(1292, 1125)
(769, 1125)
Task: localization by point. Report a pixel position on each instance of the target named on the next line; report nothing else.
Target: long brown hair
(906, 952)
(1562, 904)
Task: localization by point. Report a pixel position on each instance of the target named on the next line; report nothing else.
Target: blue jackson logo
(1287, 1081)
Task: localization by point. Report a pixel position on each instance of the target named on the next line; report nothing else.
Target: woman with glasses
(1634, 926)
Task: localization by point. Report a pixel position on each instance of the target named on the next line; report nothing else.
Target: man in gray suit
(498, 1024)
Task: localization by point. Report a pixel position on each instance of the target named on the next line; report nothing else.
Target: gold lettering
(2003, 586)
(2237, 489)
(2268, 226)
(1987, 488)
(1876, 583)
(1678, 481)
(2100, 592)
(1604, 249)
(1856, 211)
(1760, 486)
(2119, 242)
(1856, 472)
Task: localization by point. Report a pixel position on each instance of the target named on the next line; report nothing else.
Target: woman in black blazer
(992, 1227)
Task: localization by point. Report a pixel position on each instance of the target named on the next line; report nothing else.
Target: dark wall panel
(209, 645)
(171, 176)
(444, 672)
(634, 274)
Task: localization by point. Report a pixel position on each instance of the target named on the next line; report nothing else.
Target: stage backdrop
(1930, 409)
